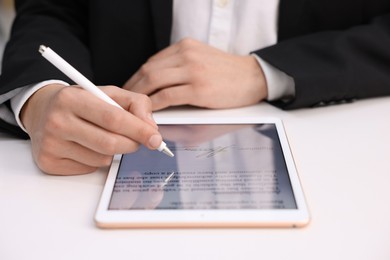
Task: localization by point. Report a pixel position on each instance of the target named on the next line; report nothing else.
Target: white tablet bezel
(207, 218)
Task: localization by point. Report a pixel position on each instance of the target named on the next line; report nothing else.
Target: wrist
(35, 103)
(258, 78)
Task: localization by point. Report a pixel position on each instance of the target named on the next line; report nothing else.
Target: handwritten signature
(214, 151)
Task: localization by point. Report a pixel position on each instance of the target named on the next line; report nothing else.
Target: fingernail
(155, 141)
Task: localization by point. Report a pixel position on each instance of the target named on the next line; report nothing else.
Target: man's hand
(74, 132)
(192, 73)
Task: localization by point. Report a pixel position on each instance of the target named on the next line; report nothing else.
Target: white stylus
(85, 83)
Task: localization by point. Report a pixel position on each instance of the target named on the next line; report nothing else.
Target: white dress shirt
(234, 26)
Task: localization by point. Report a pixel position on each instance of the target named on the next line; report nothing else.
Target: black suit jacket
(336, 50)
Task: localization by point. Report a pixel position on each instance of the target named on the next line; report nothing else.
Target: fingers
(158, 71)
(173, 96)
(65, 160)
(215, 79)
(155, 78)
(95, 138)
(137, 104)
(118, 130)
(169, 51)
(174, 56)
(74, 132)
(66, 166)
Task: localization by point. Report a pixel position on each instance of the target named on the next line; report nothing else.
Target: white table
(343, 158)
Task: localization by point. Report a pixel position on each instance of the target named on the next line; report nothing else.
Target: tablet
(226, 172)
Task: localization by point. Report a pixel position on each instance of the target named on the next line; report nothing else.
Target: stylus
(85, 83)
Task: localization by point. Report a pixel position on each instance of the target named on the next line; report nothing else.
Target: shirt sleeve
(279, 84)
(18, 101)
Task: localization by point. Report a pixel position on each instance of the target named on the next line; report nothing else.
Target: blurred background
(6, 17)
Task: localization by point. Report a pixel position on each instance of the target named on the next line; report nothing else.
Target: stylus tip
(168, 152)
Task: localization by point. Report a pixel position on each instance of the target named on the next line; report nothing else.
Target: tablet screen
(218, 166)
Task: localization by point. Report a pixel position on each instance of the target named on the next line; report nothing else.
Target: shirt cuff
(18, 101)
(279, 84)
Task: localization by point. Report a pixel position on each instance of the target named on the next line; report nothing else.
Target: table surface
(342, 154)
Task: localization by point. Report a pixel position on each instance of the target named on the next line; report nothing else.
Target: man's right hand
(74, 132)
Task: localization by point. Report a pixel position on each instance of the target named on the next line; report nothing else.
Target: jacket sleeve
(59, 24)
(335, 66)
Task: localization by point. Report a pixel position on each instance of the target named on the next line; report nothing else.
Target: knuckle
(108, 144)
(44, 154)
(198, 72)
(188, 55)
(109, 89)
(105, 160)
(187, 42)
(65, 95)
(112, 118)
(44, 162)
(144, 99)
(54, 123)
(143, 134)
(166, 95)
(152, 78)
(133, 147)
(144, 70)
